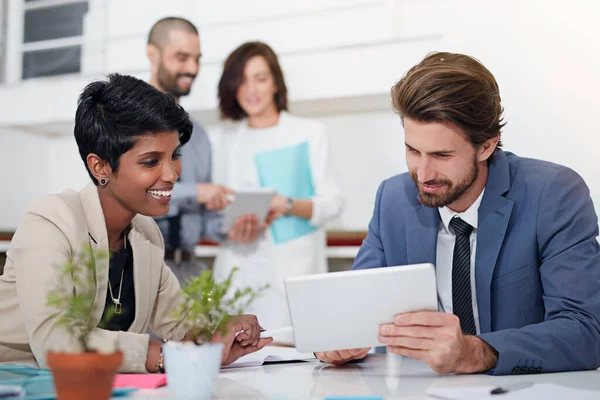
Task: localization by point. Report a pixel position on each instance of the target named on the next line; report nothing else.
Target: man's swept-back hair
(112, 114)
(159, 34)
(456, 88)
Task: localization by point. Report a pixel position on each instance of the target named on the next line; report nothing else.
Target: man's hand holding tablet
(430, 336)
(338, 357)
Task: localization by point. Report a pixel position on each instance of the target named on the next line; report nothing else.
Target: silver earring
(103, 181)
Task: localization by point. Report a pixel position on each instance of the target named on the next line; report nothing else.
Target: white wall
(65, 167)
(23, 176)
(340, 59)
(546, 58)
(366, 149)
(33, 165)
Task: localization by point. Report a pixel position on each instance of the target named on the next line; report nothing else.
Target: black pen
(510, 388)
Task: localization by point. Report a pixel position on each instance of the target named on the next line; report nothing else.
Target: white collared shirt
(445, 252)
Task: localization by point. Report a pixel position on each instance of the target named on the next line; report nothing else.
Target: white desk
(316, 380)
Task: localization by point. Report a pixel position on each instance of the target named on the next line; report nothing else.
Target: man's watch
(289, 205)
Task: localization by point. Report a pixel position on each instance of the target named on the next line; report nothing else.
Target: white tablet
(254, 201)
(343, 310)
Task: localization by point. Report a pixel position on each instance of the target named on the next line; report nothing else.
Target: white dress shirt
(445, 253)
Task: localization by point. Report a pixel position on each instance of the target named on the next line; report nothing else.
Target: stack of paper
(271, 354)
(545, 391)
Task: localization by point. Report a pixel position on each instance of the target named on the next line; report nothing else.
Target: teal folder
(288, 171)
(38, 383)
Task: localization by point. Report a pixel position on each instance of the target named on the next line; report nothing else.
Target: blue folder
(37, 383)
(288, 171)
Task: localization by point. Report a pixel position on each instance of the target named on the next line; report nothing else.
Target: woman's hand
(243, 337)
(302, 208)
(279, 204)
(246, 229)
(277, 209)
(271, 217)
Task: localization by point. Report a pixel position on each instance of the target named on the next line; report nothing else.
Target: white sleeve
(327, 201)
(220, 137)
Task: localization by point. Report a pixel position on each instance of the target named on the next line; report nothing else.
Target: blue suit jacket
(537, 267)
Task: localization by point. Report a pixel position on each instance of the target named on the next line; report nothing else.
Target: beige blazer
(52, 230)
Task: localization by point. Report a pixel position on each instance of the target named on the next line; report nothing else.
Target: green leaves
(209, 305)
(73, 298)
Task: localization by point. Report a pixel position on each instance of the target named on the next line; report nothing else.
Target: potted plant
(82, 372)
(192, 367)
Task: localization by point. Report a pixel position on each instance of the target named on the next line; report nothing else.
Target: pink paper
(140, 381)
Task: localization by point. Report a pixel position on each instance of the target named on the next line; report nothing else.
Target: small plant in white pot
(192, 366)
(79, 370)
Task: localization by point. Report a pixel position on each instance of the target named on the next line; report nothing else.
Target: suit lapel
(144, 253)
(142, 270)
(422, 224)
(99, 243)
(101, 276)
(493, 218)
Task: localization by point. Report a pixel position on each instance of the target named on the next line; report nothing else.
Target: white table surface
(316, 380)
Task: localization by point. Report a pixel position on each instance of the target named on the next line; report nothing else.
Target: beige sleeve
(44, 239)
(168, 299)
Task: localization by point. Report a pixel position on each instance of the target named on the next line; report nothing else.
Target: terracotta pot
(86, 376)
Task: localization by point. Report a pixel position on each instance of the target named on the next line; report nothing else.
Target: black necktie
(461, 276)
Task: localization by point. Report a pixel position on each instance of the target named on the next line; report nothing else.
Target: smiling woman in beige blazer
(129, 135)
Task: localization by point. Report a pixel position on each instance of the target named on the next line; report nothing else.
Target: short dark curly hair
(112, 114)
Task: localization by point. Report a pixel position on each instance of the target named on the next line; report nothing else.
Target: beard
(453, 191)
(169, 82)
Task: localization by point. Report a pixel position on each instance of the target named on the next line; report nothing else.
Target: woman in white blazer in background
(262, 145)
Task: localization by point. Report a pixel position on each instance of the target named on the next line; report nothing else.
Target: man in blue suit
(513, 239)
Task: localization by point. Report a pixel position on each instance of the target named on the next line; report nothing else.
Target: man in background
(174, 53)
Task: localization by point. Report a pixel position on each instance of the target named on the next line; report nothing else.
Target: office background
(340, 58)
